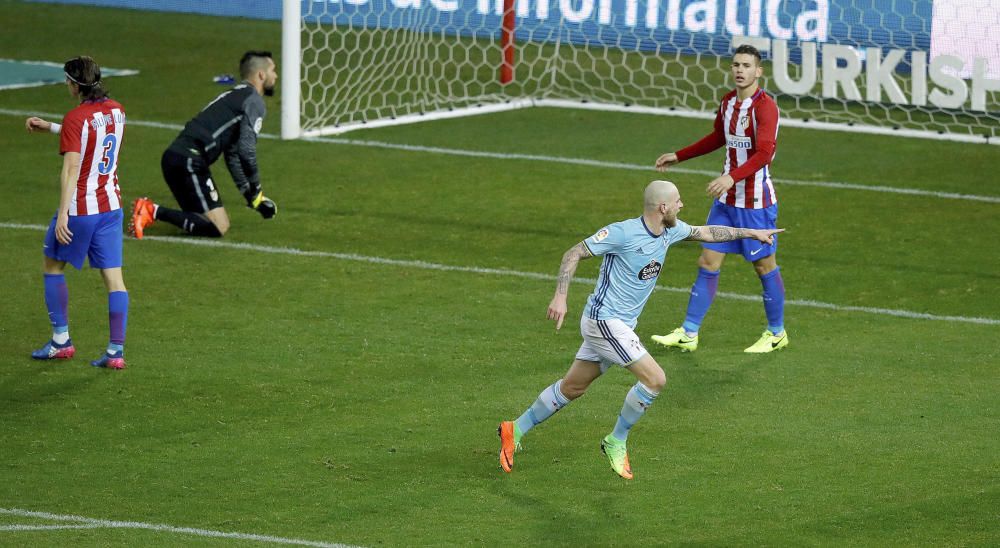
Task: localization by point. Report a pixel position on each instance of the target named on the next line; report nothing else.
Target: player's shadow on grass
(42, 382)
(563, 518)
(695, 381)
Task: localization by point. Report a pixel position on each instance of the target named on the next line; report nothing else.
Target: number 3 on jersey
(107, 164)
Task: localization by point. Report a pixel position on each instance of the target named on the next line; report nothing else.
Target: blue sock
(57, 303)
(637, 401)
(548, 402)
(117, 320)
(702, 295)
(774, 300)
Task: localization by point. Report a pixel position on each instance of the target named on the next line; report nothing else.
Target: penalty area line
(424, 265)
(82, 522)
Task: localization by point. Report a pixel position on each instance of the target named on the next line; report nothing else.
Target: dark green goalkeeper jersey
(228, 126)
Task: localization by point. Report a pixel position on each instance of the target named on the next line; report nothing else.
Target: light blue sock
(548, 402)
(60, 335)
(637, 401)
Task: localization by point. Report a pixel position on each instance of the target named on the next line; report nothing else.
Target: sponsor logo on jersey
(650, 271)
(738, 142)
(601, 234)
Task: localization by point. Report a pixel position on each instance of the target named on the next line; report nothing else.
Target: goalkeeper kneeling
(227, 126)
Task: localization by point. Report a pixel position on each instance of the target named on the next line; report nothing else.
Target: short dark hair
(86, 74)
(253, 61)
(749, 50)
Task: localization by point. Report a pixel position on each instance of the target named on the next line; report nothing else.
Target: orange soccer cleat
(142, 216)
(507, 445)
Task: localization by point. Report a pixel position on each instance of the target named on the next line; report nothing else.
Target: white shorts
(609, 342)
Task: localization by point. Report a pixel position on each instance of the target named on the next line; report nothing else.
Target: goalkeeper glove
(264, 205)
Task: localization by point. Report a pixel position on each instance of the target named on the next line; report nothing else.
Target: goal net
(909, 67)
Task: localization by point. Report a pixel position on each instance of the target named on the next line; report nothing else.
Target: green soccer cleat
(618, 455)
(769, 342)
(678, 338)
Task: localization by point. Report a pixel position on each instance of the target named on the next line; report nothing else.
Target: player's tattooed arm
(567, 268)
(716, 233)
(572, 257)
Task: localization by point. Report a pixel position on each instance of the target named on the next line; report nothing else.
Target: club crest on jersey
(743, 122)
(650, 271)
(601, 234)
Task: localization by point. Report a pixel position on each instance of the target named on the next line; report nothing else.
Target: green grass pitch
(333, 382)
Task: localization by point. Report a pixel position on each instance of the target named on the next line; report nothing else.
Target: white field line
(109, 72)
(82, 522)
(17, 528)
(572, 161)
(519, 274)
(51, 116)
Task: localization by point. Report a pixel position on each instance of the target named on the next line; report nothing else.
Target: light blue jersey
(633, 257)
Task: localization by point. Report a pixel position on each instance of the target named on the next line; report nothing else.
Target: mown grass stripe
(424, 265)
(838, 185)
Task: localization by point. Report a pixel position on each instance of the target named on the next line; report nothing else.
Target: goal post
(507, 42)
(291, 57)
(899, 67)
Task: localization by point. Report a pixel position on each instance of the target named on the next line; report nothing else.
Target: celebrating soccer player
(227, 126)
(747, 125)
(634, 251)
(88, 222)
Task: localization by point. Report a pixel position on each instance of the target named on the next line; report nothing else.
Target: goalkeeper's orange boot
(507, 445)
(143, 211)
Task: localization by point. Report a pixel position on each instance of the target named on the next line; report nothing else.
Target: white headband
(79, 83)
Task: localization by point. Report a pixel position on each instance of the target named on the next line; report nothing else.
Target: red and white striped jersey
(749, 131)
(95, 130)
